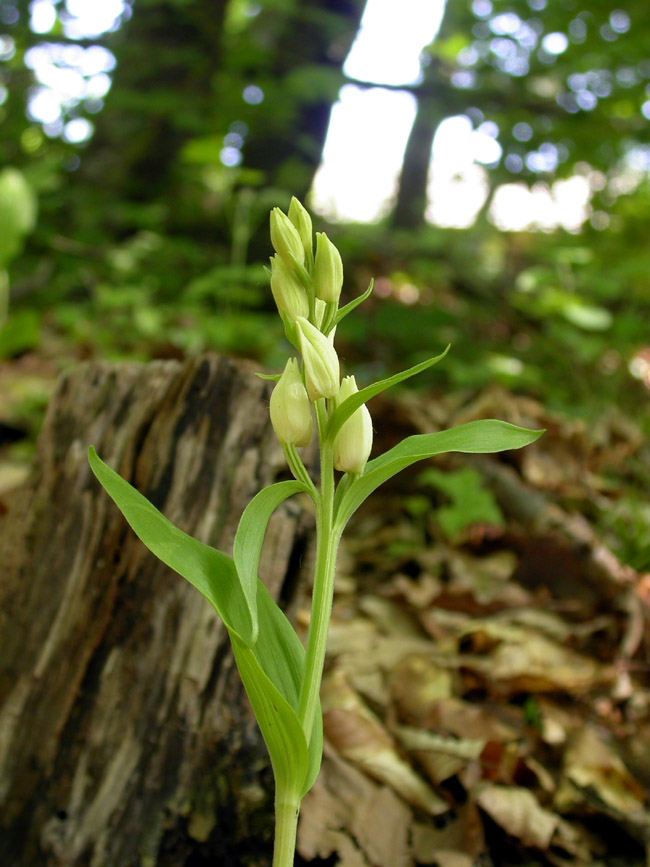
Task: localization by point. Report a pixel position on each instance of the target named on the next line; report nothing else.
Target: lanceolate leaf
(343, 412)
(210, 571)
(272, 671)
(250, 538)
(475, 437)
(348, 308)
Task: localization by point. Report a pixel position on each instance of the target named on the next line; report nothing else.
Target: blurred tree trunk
(411, 203)
(436, 100)
(168, 55)
(311, 44)
(125, 735)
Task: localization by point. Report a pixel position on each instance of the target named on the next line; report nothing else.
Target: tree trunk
(168, 55)
(411, 203)
(312, 42)
(125, 735)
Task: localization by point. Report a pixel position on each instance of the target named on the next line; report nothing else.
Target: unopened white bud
(328, 270)
(322, 372)
(289, 293)
(302, 221)
(320, 309)
(290, 408)
(353, 443)
(285, 238)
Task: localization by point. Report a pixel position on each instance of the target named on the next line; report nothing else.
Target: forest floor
(487, 694)
(487, 698)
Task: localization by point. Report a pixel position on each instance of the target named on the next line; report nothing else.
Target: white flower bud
(353, 443)
(285, 238)
(328, 270)
(302, 221)
(320, 309)
(289, 293)
(290, 408)
(322, 372)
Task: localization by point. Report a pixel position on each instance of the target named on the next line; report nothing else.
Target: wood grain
(125, 736)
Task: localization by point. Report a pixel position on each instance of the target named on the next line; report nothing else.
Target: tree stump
(125, 735)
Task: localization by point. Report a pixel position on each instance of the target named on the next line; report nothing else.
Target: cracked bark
(125, 735)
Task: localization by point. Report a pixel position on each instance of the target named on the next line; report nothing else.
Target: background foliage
(140, 163)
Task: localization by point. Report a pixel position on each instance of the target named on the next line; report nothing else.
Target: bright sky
(368, 130)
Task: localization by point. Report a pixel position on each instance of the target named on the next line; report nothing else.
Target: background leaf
(470, 501)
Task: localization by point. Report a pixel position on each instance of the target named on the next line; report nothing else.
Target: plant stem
(299, 470)
(327, 543)
(286, 826)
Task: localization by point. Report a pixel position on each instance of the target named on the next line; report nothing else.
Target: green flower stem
(327, 543)
(286, 827)
(298, 469)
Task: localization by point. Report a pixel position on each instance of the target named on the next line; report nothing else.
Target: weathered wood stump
(125, 735)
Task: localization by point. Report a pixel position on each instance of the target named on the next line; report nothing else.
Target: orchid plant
(283, 678)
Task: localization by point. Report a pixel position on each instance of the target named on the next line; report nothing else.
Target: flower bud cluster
(307, 289)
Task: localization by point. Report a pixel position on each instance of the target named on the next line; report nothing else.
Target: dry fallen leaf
(460, 842)
(442, 757)
(519, 813)
(594, 775)
(359, 736)
(364, 822)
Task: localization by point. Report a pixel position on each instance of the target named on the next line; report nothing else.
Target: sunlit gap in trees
(369, 128)
(70, 75)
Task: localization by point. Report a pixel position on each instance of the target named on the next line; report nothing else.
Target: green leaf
(273, 669)
(348, 308)
(279, 724)
(210, 571)
(471, 502)
(250, 538)
(272, 672)
(272, 377)
(343, 412)
(475, 437)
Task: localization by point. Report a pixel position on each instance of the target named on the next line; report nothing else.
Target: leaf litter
(487, 694)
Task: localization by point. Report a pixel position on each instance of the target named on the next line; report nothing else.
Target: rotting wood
(125, 736)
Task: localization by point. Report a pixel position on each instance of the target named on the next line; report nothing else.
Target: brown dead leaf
(465, 720)
(595, 776)
(449, 858)
(358, 735)
(459, 843)
(521, 660)
(416, 684)
(365, 823)
(390, 618)
(441, 756)
(519, 813)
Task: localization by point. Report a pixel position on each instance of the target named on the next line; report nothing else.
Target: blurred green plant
(470, 501)
(627, 528)
(18, 209)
